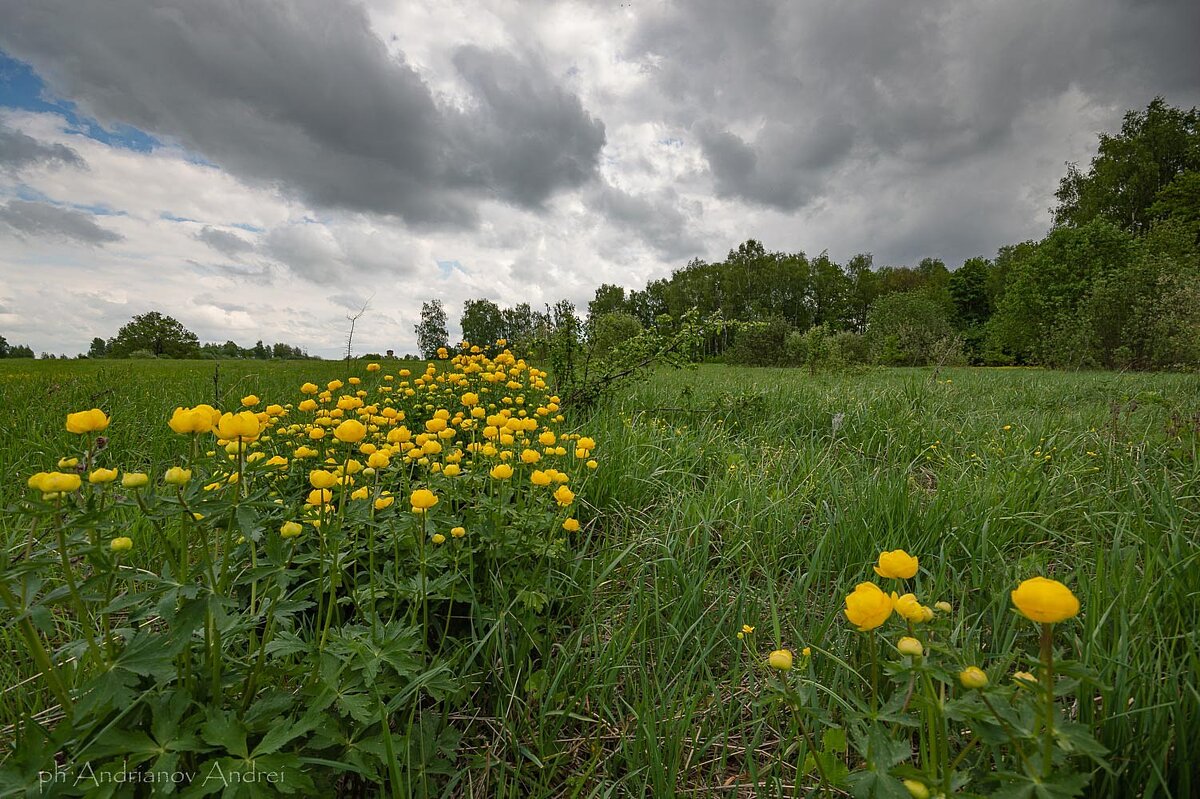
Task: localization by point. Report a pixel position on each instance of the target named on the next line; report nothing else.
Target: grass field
(731, 496)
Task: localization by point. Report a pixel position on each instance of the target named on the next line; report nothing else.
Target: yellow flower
(290, 529)
(897, 564)
(973, 677)
(539, 478)
(319, 478)
(102, 476)
(379, 460)
(55, 482)
(564, 496)
(780, 659)
(916, 790)
(586, 443)
(422, 500)
(384, 502)
(470, 399)
(309, 388)
(121, 544)
(1024, 676)
(318, 497)
(458, 532)
(372, 367)
(242, 426)
(438, 538)
(944, 607)
(68, 463)
(908, 607)
(350, 431)
(570, 525)
(452, 470)
(530, 456)
(190, 420)
(250, 401)
(910, 646)
(307, 405)
(547, 439)
(501, 471)
(868, 607)
(806, 651)
(92, 421)
(135, 479)
(1046, 601)
(592, 464)
(177, 476)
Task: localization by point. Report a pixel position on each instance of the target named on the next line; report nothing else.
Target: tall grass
(730, 496)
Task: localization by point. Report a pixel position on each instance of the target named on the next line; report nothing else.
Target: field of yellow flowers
(412, 579)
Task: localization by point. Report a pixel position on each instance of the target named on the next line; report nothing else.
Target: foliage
(610, 330)
(161, 335)
(1132, 170)
(760, 343)
(14, 350)
(431, 330)
(904, 328)
(286, 603)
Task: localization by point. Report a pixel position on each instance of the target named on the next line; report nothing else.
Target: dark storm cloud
(18, 150)
(304, 95)
(655, 219)
(794, 101)
(228, 244)
(24, 219)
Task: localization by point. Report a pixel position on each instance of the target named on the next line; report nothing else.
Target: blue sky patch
(21, 87)
(449, 266)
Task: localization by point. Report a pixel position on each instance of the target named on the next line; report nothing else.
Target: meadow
(730, 512)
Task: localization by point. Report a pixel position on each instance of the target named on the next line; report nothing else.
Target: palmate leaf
(1058, 786)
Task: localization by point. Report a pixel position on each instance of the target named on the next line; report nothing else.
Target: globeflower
(910, 646)
(438, 538)
(780, 660)
(384, 502)
(319, 478)
(912, 610)
(1043, 600)
(242, 426)
(458, 532)
(422, 500)
(350, 431)
(564, 496)
(177, 476)
(501, 471)
(973, 677)
(318, 497)
(896, 564)
(190, 420)
(868, 607)
(570, 525)
(121, 544)
(290, 529)
(250, 400)
(92, 421)
(309, 388)
(135, 479)
(99, 476)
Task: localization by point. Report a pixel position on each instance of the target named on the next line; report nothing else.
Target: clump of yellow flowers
(940, 722)
(375, 500)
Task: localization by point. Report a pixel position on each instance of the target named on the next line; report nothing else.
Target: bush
(903, 328)
(760, 343)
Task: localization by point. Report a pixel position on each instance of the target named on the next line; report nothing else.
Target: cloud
(307, 96)
(228, 244)
(34, 220)
(18, 150)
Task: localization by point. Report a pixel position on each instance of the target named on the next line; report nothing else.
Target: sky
(261, 169)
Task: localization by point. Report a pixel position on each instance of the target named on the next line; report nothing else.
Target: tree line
(1115, 283)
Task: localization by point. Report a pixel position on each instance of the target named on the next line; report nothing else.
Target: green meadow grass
(731, 496)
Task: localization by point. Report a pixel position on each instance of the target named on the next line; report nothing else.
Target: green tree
(98, 349)
(904, 327)
(431, 330)
(608, 298)
(1131, 169)
(482, 322)
(156, 333)
(609, 330)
